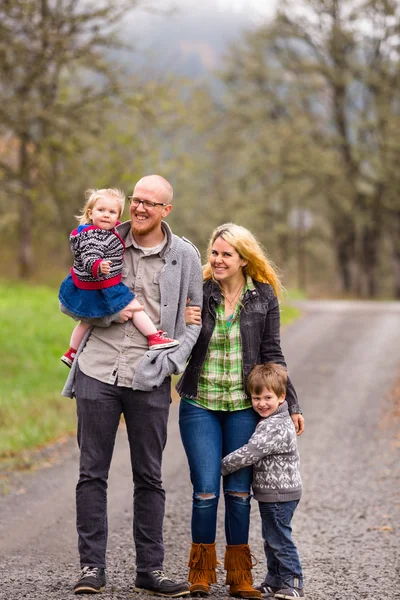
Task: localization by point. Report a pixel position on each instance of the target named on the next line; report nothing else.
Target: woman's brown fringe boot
(202, 564)
(238, 566)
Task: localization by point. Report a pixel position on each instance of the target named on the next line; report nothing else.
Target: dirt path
(344, 359)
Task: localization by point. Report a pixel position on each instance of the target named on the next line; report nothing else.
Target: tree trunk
(395, 239)
(25, 251)
(369, 262)
(284, 252)
(301, 260)
(344, 236)
(396, 274)
(344, 267)
(370, 241)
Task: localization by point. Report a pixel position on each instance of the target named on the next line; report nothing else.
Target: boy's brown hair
(271, 376)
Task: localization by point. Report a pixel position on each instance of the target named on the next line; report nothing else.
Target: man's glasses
(146, 203)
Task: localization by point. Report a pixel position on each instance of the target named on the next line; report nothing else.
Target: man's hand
(127, 313)
(298, 421)
(105, 267)
(192, 314)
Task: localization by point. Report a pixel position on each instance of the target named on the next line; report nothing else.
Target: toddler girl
(93, 289)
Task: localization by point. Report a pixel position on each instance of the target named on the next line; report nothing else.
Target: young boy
(272, 449)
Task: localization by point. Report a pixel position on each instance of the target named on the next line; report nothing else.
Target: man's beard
(144, 230)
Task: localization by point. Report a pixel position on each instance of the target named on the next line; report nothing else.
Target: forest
(299, 142)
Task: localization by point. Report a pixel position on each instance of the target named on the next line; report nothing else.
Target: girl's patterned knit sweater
(272, 449)
(90, 245)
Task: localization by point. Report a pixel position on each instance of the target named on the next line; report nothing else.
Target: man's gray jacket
(180, 279)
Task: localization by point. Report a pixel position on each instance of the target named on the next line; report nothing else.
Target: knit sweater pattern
(90, 247)
(272, 449)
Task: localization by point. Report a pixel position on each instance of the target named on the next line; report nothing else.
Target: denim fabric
(259, 332)
(99, 408)
(93, 304)
(283, 562)
(207, 436)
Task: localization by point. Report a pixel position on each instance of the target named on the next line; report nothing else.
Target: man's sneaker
(92, 581)
(288, 592)
(68, 357)
(266, 590)
(160, 340)
(157, 583)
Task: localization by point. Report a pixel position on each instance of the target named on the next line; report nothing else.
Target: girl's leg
(238, 426)
(141, 320)
(202, 439)
(157, 339)
(76, 338)
(78, 335)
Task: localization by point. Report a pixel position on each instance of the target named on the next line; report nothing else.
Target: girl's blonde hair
(92, 196)
(258, 267)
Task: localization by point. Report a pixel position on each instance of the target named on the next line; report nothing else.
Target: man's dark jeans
(283, 562)
(99, 408)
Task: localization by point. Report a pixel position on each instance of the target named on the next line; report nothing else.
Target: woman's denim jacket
(259, 332)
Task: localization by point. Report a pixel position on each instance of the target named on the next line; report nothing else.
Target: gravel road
(344, 359)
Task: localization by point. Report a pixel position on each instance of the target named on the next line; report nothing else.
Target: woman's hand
(298, 421)
(192, 315)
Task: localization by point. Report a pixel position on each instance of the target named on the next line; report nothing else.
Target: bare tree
(55, 80)
(313, 96)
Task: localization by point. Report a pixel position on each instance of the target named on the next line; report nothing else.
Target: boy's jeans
(99, 408)
(283, 560)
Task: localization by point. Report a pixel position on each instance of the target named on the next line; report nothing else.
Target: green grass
(288, 314)
(33, 336)
(294, 294)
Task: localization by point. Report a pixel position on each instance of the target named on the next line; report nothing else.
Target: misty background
(283, 117)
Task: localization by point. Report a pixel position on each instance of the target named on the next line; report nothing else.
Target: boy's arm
(265, 441)
(259, 445)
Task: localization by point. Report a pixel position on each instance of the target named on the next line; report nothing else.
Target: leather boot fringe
(238, 564)
(202, 564)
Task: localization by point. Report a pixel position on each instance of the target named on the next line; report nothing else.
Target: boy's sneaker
(266, 590)
(160, 340)
(68, 357)
(288, 592)
(157, 583)
(92, 581)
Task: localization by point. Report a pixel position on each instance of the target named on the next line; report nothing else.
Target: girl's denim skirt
(94, 304)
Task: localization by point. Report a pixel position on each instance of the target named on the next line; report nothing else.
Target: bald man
(114, 373)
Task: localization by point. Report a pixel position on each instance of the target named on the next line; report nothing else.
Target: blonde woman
(240, 328)
(93, 288)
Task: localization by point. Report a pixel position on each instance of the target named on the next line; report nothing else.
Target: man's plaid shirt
(221, 381)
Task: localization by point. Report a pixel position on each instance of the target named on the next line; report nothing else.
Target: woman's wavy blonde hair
(91, 197)
(258, 267)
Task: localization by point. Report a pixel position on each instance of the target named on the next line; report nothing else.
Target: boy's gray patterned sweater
(272, 449)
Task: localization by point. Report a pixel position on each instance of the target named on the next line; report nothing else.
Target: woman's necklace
(232, 301)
